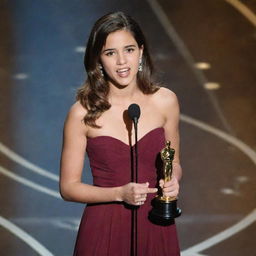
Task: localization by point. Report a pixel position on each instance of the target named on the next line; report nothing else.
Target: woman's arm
(172, 113)
(72, 162)
(170, 109)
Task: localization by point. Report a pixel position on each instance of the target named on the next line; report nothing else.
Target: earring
(140, 65)
(101, 70)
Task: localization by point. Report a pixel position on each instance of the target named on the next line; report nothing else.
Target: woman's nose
(121, 59)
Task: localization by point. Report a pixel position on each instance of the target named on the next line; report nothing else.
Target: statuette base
(164, 213)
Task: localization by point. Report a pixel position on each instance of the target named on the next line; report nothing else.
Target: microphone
(134, 112)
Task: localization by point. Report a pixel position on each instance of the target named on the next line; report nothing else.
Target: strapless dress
(105, 228)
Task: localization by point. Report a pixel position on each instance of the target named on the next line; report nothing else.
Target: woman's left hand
(170, 188)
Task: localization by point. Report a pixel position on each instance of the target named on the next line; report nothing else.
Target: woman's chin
(122, 83)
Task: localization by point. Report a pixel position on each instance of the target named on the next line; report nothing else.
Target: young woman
(119, 72)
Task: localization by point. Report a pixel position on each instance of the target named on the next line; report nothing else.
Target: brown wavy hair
(93, 94)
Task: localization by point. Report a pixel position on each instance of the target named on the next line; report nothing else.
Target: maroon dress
(105, 228)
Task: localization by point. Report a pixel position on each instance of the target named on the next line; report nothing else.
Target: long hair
(93, 94)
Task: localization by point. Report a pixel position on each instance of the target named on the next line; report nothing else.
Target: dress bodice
(111, 159)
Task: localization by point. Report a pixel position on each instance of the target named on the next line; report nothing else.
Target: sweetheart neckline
(114, 138)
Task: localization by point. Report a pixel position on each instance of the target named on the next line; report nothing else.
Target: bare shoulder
(165, 98)
(75, 117)
(77, 111)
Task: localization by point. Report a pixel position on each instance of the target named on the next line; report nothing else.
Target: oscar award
(165, 207)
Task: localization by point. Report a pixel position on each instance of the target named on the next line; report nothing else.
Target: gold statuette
(167, 156)
(165, 207)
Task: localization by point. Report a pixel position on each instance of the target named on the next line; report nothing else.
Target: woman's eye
(129, 50)
(110, 53)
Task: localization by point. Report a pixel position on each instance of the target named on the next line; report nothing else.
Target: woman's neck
(124, 95)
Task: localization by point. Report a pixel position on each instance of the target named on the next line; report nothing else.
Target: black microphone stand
(134, 114)
(136, 148)
(135, 212)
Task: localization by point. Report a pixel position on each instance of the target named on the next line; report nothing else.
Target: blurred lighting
(80, 49)
(203, 65)
(211, 86)
(21, 76)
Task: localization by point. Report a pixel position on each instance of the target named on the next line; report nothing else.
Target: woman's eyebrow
(112, 49)
(131, 45)
(109, 49)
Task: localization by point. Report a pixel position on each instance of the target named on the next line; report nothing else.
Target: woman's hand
(170, 188)
(135, 193)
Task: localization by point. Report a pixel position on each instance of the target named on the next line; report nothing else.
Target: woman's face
(120, 58)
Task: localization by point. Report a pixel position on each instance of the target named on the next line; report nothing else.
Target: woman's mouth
(123, 72)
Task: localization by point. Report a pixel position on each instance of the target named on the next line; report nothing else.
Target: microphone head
(134, 112)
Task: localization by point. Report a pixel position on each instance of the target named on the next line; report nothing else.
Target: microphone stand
(134, 114)
(136, 149)
(135, 212)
